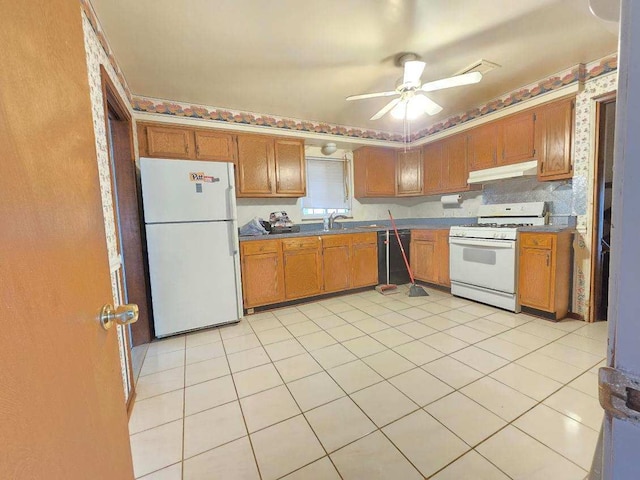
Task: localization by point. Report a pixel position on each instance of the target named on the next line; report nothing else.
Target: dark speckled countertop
(546, 228)
(337, 231)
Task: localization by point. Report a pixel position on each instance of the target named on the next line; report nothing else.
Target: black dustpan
(414, 290)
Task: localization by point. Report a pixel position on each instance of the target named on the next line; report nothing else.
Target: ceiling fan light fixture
(399, 110)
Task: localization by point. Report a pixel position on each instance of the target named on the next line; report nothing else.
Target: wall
(96, 57)
(583, 180)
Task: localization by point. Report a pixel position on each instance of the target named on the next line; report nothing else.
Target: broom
(414, 290)
(388, 288)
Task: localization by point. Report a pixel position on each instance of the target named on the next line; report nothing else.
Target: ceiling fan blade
(430, 107)
(371, 95)
(413, 71)
(385, 109)
(458, 80)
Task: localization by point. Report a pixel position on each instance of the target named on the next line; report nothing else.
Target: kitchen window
(327, 188)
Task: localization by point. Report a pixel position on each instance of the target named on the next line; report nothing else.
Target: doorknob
(122, 315)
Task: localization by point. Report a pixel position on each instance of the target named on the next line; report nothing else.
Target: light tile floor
(366, 386)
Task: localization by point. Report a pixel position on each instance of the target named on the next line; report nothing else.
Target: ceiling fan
(411, 103)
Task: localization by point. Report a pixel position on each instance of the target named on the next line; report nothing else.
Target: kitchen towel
(451, 200)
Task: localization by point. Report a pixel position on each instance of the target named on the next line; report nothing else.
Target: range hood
(516, 170)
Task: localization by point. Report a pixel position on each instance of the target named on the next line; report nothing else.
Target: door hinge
(619, 394)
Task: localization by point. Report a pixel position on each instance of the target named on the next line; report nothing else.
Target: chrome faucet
(332, 219)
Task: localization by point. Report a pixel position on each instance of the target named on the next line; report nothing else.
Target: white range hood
(500, 173)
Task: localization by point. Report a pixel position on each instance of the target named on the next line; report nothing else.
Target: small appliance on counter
(281, 223)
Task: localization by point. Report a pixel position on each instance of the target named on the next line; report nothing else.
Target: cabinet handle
(197, 150)
(548, 258)
(187, 149)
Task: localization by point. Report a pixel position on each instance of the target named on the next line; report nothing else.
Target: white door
(622, 437)
(185, 190)
(193, 268)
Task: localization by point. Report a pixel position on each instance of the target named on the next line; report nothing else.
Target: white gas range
(484, 256)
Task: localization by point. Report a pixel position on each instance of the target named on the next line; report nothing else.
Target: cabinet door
(374, 172)
(423, 260)
(364, 264)
(168, 142)
(262, 279)
(554, 134)
(290, 168)
(409, 172)
(302, 273)
(443, 258)
(455, 167)
(215, 146)
(535, 280)
(483, 146)
(517, 138)
(433, 167)
(255, 165)
(335, 267)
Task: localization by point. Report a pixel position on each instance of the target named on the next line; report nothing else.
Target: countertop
(339, 231)
(545, 229)
(381, 228)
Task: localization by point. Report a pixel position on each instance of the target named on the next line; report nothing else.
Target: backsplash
(558, 194)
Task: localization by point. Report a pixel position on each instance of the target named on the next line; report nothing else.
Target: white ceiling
(300, 59)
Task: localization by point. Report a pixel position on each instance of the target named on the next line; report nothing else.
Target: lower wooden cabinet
(275, 271)
(430, 256)
(545, 272)
(364, 260)
(262, 273)
(302, 267)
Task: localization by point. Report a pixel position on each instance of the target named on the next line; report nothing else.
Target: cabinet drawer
(260, 246)
(300, 243)
(424, 234)
(364, 238)
(335, 240)
(543, 240)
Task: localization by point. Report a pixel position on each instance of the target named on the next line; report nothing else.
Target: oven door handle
(508, 244)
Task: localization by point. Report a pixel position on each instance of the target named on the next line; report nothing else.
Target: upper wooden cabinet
(215, 146)
(502, 142)
(290, 168)
(255, 166)
(554, 131)
(374, 172)
(445, 166)
(409, 172)
(265, 166)
(483, 146)
(168, 142)
(269, 167)
(516, 138)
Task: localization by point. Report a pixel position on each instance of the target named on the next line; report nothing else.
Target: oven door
(484, 263)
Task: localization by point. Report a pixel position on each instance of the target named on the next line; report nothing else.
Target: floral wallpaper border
(579, 73)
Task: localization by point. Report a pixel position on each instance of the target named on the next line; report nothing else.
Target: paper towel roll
(451, 200)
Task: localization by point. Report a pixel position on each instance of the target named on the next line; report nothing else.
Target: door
(255, 165)
(263, 278)
(336, 262)
(193, 274)
(484, 263)
(409, 172)
(215, 146)
(170, 142)
(290, 168)
(455, 170)
(554, 131)
(62, 407)
(622, 437)
(186, 190)
(433, 156)
(380, 172)
(534, 289)
(302, 273)
(517, 138)
(423, 260)
(364, 264)
(483, 146)
(603, 197)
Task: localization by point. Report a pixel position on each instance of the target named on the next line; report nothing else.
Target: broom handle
(387, 255)
(404, 255)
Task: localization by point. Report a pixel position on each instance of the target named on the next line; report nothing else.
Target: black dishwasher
(398, 273)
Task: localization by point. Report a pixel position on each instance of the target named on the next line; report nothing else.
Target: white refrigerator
(192, 244)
